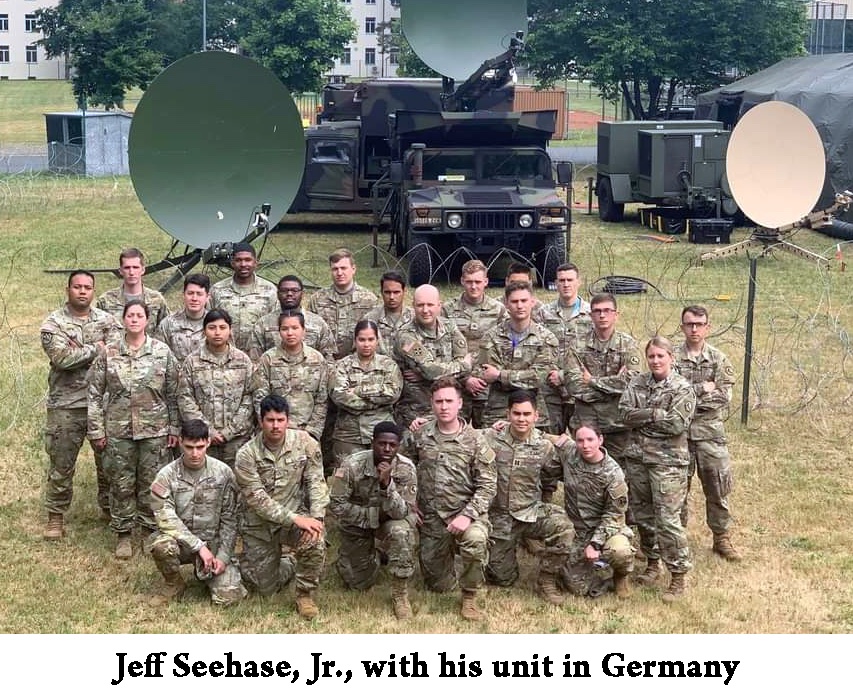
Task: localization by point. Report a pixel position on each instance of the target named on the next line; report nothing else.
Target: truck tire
(421, 267)
(608, 210)
(551, 257)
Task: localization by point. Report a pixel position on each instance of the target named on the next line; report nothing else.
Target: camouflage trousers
(709, 459)
(132, 465)
(358, 558)
(581, 575)
(552, 528)
(168, 554)
(64, 434)
(227, 453)
(561, 407)
(656, 493)
(264, 568)
(439, 546)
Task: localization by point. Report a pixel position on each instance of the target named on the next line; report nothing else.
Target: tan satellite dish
(775, 164)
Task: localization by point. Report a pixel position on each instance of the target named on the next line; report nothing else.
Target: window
(370, 57)
(30, 23)
(4, 23)
(394, 57)
(370, 25)
(369, 2)
(32, 54)
(4, 54)
(346, 58)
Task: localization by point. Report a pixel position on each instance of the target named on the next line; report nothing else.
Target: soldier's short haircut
(445, 382)
(387, 427)
(341, 254)
(290, 278)
(135, 302)
(392, 276)
(603, 297)
(661, 342)
(474, 266)
(291, 313)
(194, 429)
(700, 311)
(364, 324)
(274, 403)
(129, 254)
(569, 267)
(78, 272)
(521, 395)
(518, 268)
(517, 286)
(216, 314)
(243, 246)
(201, 280)
(590, 425)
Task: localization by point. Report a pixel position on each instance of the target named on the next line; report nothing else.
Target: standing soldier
(280, 475)
(393, 312)
(246, 296)
(196, 510)
(71, 337)
(183, 330)
(374, 497)
(712, 376)
(131, 268)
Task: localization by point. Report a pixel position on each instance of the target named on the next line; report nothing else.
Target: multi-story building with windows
(21, 57)
(364, 57)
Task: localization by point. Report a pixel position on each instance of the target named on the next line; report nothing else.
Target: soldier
(521, 273)
(712, 376)
(195, 507)
(364, 386)
(393, 312)
(71, 337)
(427, 348)
(658, 406)
(296, 372)
(374, 497)
(596, 500)
(280, 475)
(215, 386)
(517, 512)
(246, 296)
(519, 354)
(131, 268)
(456, 485)
(476, 315)
(265, 332)
(133, 417)
(183, 330)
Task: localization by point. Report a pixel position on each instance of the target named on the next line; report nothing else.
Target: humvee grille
(488, 198)
(491, 220)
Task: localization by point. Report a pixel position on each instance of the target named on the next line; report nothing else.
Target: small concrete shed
(88, 143)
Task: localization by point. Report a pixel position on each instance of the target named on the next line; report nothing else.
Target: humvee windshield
(505, 165)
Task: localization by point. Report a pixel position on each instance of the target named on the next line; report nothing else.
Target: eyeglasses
(693, 326)
(602, 311)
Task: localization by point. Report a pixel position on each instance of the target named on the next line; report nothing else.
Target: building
(828, 24)
(364, 57)
(21, 58)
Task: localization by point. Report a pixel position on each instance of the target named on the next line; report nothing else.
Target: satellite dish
(775, 164)
(215, 136)
(454, 38)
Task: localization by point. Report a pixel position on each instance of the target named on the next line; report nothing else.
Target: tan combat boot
(124, 545)
(548, 590)
(305, 604)
(470, 610)
(651, 574)
(675, 589)
(54, 529)
(400, 598)
(622, 585)
(723, 547)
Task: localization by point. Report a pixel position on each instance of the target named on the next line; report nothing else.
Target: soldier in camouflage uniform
(296, 372)
(265, 334)
(364, 386)
(183, 330)
(215, 386)
(71, 337)
(133, 416)
(374, 497)
(280, 475)
(711, 374)
(476, 315)
(658, 406)
(246, 296)
(522, 453)
(428, 348)
(196, 510)
(456, 485)
(131, 267)
(393, 312)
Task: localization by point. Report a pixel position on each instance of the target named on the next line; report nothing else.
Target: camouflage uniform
(656, 461)
(182, 333)
(302, 378)
(432, 354)
(114, 301)
(475, 322)
(265, 335)
(217, 389)
(342, 312)
(517, 512)
(366, 514)
(706, 439)
(365, 397)
(196, 508)
(388, 326)
(456, 476)
(276, 487)
(245, 304)
(69, 343)
(132, 402)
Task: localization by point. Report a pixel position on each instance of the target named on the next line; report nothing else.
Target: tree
(409, 64)
(645, 50)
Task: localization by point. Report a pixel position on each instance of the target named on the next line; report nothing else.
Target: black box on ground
(709, 231)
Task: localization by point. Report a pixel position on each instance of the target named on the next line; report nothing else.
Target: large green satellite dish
(215, 136)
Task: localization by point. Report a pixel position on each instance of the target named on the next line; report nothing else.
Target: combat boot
(124, 545)
(724, 549)
(470, 610)
(548, 590)
(400, 598)
(305, 604)
(622, 585)
(651, 574)
(675, 589)
(54, 529)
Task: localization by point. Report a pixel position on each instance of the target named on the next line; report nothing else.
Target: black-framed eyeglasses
(602, 311)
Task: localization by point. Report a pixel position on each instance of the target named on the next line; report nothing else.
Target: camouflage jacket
(197, 507)
(364, 396)
(711, 408)
(358, 501)
(475, 321)
(301, 378)
(114, 300)
(70, 345)
(245, 304)
(389, 326)
(568, 323)
(342, 312)
(265, 335)
(132, 393)
(276, 487)
(659, 412)
(456, 473)
(217, 389)
(181, 333)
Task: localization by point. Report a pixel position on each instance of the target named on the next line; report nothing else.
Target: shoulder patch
(634, 359)
(340, 472)
(728, 370)
(46, 338)
(159, 489)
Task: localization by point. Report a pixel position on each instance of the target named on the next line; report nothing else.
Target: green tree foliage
(644, 50)
(409, 65)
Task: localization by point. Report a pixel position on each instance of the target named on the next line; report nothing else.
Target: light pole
(204, 25)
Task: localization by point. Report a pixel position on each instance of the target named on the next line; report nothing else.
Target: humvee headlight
(454, 220)
(525, 220)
